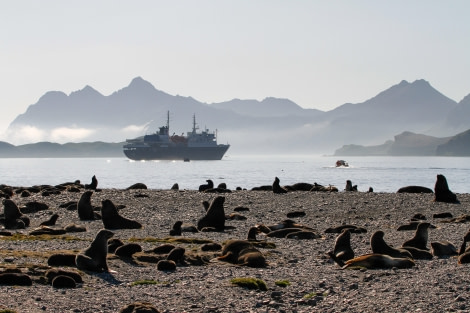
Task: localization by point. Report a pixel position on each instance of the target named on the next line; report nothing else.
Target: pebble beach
(299, 276)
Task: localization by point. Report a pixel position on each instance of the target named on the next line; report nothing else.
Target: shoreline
(316, 283)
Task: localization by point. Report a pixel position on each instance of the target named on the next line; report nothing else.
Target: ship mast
(168, 120)
(194, 123)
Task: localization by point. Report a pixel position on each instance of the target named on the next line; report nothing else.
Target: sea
(383, 174)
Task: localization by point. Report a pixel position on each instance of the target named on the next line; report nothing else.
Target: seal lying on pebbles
(113, 220)
(342, 250)
(242, 252)
(215, 215)
(420, 239)
(378, 245)
(14, 219)
(93, 258)
(414, 189)
(352, 228)
(443, 249)
(139, 307)
(442, 192)
(378, 261)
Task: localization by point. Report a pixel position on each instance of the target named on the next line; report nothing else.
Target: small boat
(342, 163)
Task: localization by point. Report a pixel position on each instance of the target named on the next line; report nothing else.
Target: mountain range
(272, 125)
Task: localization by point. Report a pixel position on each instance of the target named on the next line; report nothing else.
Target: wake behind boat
(161, 146)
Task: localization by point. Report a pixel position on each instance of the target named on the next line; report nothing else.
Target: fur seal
(93, 258)
(215, 215)
(420, 239)
(176, 230)
(414, 189)
(378, 245)
(61, 259)
(342, 250)
(209, 185)
(352, 228)
(14, 218)
(242, 252)
(63, 281)
(127, 250)
(52, 273)
(464, 253)
(277, 187)
(443, 249)
(51, 221)
(349, 186)
(84, 207)
(113, 220)
(166, 265)
(418, 254)
(137, 186)
(15, 279)
(442, 192)
(378, 261)
(303, 234)
(176, 255)
(93, 184)
(442, 215)
(175, 187)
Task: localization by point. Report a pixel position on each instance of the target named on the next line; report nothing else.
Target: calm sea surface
(384, 174)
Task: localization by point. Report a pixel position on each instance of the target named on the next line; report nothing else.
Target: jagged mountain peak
(87, 91)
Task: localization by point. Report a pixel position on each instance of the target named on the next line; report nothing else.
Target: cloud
(65, 134)
(24, 134)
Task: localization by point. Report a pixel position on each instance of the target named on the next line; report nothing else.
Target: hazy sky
(319, 54)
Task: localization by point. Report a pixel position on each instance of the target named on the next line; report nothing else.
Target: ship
(161, 146)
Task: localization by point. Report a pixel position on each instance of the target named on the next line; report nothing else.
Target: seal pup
(113, 220)
(176, 230)
(443, 249)
(215, 215)
(379, 261)
(277, 187)
(464, 253)
(442, 192)
(342, 250)
(51, 221)
(84, 207)
(14, 218)
(420, 239)
(209, 185)
(378, 245)
(93, 258)
(93, 184)
(175, 187)
(414, 189)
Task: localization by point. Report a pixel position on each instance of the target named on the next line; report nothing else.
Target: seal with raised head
(420, 239)
(51, 221)
(215, 215)
(342, 250)
(349, 186)
(14, 218)
(84, 207)
(176, 230)
(209, 185)
(378, 245)
(442, 192)
(277, 187)
(93, 258)
(113, 220)
(93, 184)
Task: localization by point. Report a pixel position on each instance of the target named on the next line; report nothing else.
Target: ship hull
(176, 153)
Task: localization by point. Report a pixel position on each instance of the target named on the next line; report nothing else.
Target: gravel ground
(316, 283)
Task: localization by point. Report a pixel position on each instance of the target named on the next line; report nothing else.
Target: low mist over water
(383, 174)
